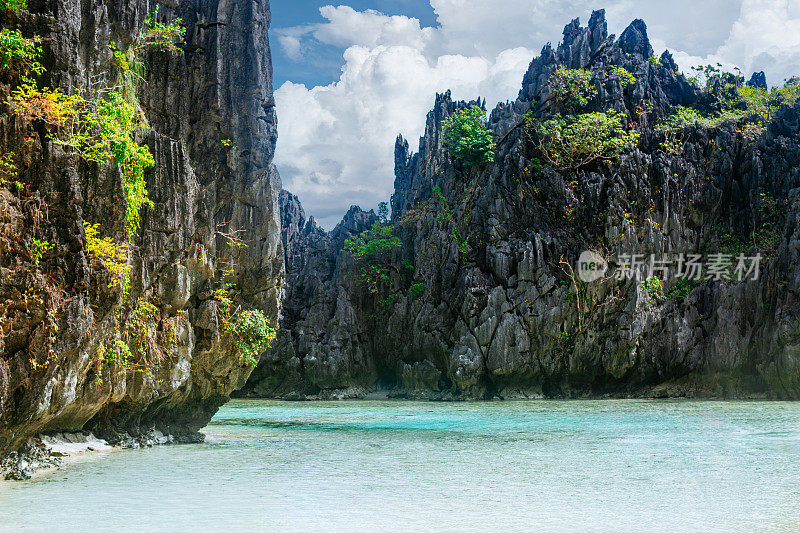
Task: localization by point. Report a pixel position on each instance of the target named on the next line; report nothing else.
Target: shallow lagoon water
(613, 465)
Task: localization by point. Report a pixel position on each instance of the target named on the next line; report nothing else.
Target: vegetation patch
(571, 88)
(250, 333)
(8, 170)
(371, 251)
(114, 256)
(20, 56)
(571, 140)
(568, 142)
(736, 100)
(99, 129)
(101, 133)
(680, 290)
(13, 5)
(467, 137)
(162, 36)
(417, 290)
(117, 352)
(625, 77)
(654, 288)
(37, 249)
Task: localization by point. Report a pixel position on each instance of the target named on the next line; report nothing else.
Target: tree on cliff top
(467, 137)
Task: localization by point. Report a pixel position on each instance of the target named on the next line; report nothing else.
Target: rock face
(212, 132)
(321, 336)
(502, 315)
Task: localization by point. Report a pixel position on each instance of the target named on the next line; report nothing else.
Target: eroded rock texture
(57, 316)
(500, 317)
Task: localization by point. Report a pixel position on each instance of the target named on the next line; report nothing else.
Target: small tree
(250, 333)
(160, 36)
(568, 142)
(572, 88)
(467, 137)
(20, 56)
(371, 252)
(625, 77)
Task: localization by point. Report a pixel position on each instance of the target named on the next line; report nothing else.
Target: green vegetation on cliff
(735, 100)
(571, 88)
(99, 127)
(467, 137)
(371, 251)
(250, 333)
(13, 5)
(161, 36)
(19, 56)
(568, 142)
(571, 140)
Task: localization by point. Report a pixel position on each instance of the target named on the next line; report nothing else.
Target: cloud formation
(335, 143)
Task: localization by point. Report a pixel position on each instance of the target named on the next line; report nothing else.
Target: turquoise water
(405, 466)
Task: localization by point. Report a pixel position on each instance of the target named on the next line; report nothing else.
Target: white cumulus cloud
(335, 142)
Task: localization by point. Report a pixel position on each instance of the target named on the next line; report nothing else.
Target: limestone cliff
(501, 314)
(212, 132)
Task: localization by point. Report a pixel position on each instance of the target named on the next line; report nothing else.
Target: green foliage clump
(736, 100)
(467, 137)
(417, 290)
(568, 142)
(113, 256)
(118, 352)
(38, 248)
(8, 170)
(371, 252)
(118, 120)
(765, 103)
(13, 5)
(250, 333)
(18, 55)
(375, 242)
(654, 288)
(572, 87)
(101, 133)
(680, 289)
(625, 77)
(681, 117)
(161, 36)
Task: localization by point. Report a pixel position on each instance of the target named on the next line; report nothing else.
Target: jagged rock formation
(56, 315)
(503, 317)
(317, 340)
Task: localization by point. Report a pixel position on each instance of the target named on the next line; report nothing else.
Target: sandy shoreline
(46, 454)
(47, 471)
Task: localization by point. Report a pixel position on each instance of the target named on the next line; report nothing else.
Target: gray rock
(500, 320)
(218, 88)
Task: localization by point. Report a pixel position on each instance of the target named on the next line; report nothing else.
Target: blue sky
(324, 64)
(350, 76)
